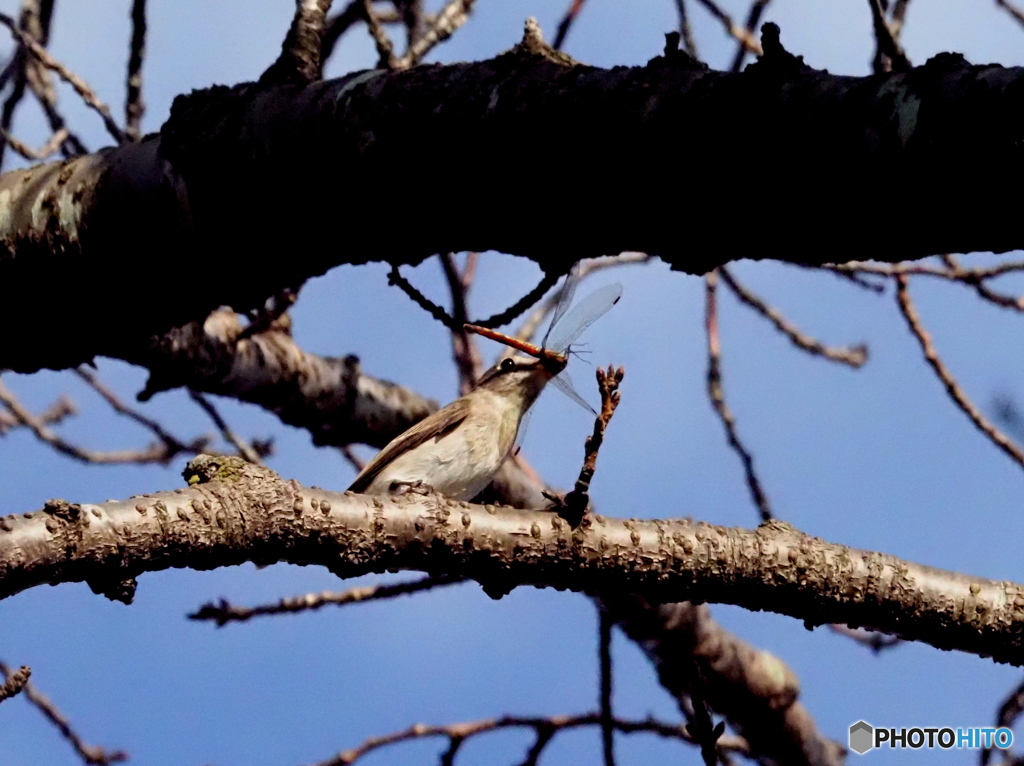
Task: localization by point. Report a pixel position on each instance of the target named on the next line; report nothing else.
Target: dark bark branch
(756, 691)
(214, 183)
(239, 512)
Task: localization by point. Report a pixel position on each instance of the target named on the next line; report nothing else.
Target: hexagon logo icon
(862, 737)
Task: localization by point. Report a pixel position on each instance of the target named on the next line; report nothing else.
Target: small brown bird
(457, 450)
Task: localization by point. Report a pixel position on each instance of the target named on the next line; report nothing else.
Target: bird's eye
(507, 365)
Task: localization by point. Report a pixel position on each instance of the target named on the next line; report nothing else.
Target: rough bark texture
(239, 512)
(330, 397)
(251, 189)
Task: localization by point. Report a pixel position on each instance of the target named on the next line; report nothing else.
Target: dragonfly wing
(565, 297)
(563, 383)
(524, 425)
(583, 314)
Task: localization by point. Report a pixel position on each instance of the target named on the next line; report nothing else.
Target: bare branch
(438, 313)
(81, 88)
(385, 48)
(454, 14)
(155, 453)
(716, 395)
(567, 21)
(51, 147)
(953, 388)
(686, 31)
(744, 36)
(134, 106)
(889, 55)
(854, 356)
(245, 449)
(574, 505)
(755, 690)
(235, 511)
(1015, 12)
(299, 61)
(222, 612)
(52, 415)
(604, 642)
(330, 397)
(757, 8)
(93, 755)
(174, 445)
(545, 729)
(464, 348)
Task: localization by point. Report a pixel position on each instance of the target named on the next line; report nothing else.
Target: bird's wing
(431, 427)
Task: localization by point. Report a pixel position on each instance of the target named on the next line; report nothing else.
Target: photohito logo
(864, 737)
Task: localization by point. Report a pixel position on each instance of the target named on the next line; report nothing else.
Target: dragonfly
(565, 328)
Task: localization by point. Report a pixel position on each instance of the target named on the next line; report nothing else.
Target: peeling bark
(238, 512)
(255, 188)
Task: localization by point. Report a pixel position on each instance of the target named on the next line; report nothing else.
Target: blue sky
(876, 458)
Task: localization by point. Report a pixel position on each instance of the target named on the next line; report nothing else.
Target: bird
(457, 450)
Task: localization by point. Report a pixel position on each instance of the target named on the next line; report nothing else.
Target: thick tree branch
(330, 397)
(239, 512)
(214, 183)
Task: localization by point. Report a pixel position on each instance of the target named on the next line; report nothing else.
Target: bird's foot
(417, 487)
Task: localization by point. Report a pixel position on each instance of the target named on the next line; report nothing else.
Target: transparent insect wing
(524, 425)
(563, 383)
(583, 314)
(565, 297)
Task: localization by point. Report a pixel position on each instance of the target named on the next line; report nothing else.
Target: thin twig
(55, 413)
(746, 38)
(172, 443)
(155, 453)
(566, 23)
(438, 313)
(854, 356)
(525, 303)
(352, 457)
(134, 106)
(81, 88)
(889, 54)
(15, 681)
(245, 449)
(686, 31)
(1012, 9)
(757, 8)
(464, 348)
(51, 147)
(546, 728)
(953, 388)
(448, 20)
(385, 48)
(574, 505)
(717, 395)
(93, 755)
(605, 624)
(223, 612)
